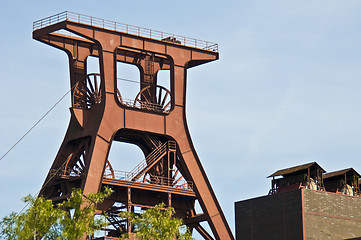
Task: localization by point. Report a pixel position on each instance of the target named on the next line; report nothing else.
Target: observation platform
(123, 180)
(162, 184)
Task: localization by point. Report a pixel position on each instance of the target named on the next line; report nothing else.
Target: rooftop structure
(307, 175)
(346, 181)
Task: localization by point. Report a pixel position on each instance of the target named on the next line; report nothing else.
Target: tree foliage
(157, 224)
(68, 220)
(75, 218)
(34, 223)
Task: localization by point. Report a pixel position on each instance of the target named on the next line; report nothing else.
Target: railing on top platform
(145, 105)
(164, 181)
(121, 27)
(127, 176)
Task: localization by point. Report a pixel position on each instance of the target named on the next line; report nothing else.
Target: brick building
(308, 211)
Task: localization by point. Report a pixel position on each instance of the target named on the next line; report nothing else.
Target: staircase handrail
(151, 158)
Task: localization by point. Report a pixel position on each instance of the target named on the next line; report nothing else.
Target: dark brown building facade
(299, 214)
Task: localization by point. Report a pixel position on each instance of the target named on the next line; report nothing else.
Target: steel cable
(36, 124)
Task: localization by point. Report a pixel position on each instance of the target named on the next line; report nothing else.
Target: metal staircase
(154, 157)
(118, 224)
(152, 141)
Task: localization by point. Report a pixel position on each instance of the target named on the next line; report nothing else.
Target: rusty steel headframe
(155, 120)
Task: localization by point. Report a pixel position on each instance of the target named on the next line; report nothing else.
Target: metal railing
(164, 181)
(62, 171)
(145, 105)
(150, 159)
(126, 28)
(141, 168)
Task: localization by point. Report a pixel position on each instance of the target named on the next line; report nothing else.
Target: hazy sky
(285, 91)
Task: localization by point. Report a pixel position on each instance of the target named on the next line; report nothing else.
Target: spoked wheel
(160, 103)
(109, 171)
(155, 179)
(119, 96)
(75, 164)
(179, 181)
(175, 181)
(89, 93)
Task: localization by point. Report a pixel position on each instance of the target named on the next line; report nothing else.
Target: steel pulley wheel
(109, 171)
(119, 96)
(75, 163)
(145, 99)
(88, 93)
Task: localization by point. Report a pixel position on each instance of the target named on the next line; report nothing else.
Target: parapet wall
(273, 217)
(299, 214)
(331, 216)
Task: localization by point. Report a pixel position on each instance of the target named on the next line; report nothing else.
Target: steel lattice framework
(154, 120)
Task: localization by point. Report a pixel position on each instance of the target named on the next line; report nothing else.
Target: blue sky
(285, 91)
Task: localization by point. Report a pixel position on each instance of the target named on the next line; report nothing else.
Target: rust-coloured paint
(154, 120)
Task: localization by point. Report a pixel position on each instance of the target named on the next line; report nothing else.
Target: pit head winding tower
(154, 120)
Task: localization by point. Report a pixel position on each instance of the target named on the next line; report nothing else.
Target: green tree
(80, 215)
(157, 223)
(69, 220)
(34, 223)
